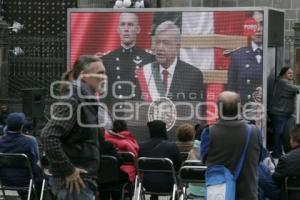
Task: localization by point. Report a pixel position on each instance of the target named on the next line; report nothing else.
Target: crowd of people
(74, 151)
(73, 146)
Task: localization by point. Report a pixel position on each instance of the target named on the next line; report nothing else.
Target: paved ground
(13, 196)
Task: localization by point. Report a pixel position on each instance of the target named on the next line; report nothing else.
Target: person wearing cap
(14, 141)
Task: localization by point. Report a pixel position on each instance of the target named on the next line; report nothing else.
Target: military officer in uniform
(121, 64)
(246, 66)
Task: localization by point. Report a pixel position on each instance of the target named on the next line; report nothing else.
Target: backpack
(220, 182)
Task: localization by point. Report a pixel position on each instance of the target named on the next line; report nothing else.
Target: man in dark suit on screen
(168, 76)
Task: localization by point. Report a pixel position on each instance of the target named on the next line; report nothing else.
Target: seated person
(289, 164)
(14, 141)
(196, 190)
(266, 186)
(185, 134)
(107, 148)
(194, 153)
(123, 140)
(158, 147)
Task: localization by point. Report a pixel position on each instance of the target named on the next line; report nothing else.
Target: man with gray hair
(70, 137)
(223, 143)
(169, 76)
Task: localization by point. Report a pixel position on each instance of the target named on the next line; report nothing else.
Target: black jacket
(68, 143)
(284, 97)
(288, 165)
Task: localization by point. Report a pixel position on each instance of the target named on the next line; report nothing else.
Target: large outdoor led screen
(172, 65)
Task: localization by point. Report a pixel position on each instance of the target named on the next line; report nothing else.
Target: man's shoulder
(144, 51)
(240, 52)
(186, 67)
(30, 139)
(110, 54)
(227, 125)
(292, 156)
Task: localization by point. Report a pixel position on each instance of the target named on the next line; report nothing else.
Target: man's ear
(81, 75)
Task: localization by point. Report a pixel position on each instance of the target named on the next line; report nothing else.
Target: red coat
(124, 141)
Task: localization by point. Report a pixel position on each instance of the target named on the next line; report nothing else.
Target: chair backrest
(15, 161)
(184, 156)
(146, 164)
(12, 163)
(293, 182)
(192, 174)
(109, 169)
(162, 167)
(127, 157)
(292, 187)
(193, 163)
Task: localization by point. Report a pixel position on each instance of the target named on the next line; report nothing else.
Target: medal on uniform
(137, 60)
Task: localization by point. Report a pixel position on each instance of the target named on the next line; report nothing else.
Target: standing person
(169, 76)
(282, 107)
(223, 144)
(122, 63)
(246, 66)
(70, 138)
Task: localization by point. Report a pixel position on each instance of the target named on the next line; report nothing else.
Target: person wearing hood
(158, 147)
(123, 140)
(70, 137)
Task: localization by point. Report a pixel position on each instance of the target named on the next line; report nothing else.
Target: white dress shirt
(171, 71)
(254, 47)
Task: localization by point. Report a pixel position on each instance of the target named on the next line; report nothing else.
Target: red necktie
(165, 79)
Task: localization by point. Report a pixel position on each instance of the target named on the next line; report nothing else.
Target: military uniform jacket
(121, 66)
(244, 73)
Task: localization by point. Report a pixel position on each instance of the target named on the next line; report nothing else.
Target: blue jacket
(13, 142)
